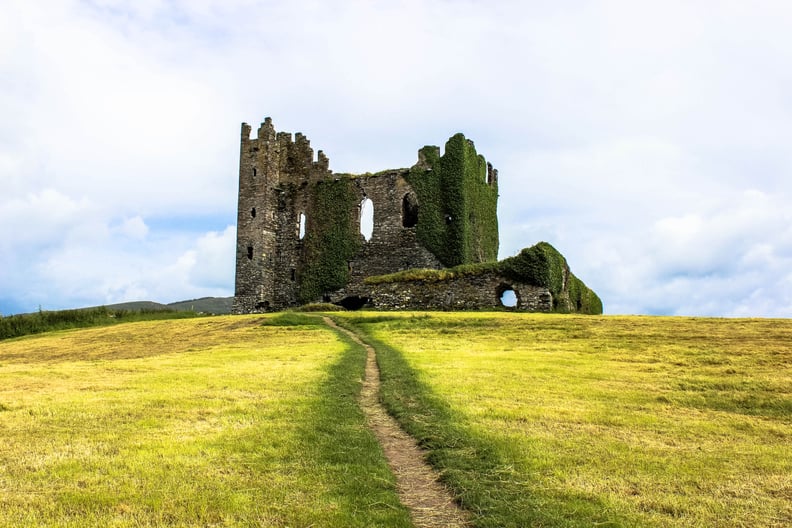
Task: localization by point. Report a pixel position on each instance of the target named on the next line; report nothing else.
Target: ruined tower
(298, 224)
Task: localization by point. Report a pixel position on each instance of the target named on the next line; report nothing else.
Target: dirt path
(430, 504)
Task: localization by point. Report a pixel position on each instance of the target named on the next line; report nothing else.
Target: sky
(647, 141)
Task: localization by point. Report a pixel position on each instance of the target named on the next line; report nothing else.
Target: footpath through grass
(204, 422)
(540, 420)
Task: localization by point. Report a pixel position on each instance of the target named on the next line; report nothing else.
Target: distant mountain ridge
(211, 305)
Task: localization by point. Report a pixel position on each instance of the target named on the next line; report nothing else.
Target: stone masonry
(280, 262)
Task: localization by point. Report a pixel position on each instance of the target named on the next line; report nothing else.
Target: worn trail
(430, 503)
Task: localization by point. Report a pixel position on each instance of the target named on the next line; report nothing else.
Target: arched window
(301, 227)
(409, 210)
(367, 218)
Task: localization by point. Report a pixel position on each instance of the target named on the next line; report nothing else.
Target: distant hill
(212, 305)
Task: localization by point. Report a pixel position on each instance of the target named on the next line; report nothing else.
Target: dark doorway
(353, 302)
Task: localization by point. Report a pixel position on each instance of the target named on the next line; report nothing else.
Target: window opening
(293, 274)
(254, 172)
(508, 298)
(367, 218)
(253, 212)
(250, 252)
(301, 228)
(409, 210)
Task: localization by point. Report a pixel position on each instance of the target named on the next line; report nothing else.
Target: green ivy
(331, 240)
(539, 265)
(458, 209)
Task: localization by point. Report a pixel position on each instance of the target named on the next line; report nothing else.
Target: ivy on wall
(458, 219)
(331, 239)
(543, 265)
(539, 265)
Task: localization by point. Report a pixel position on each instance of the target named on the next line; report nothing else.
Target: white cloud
(134, 227)
(41, 217)
(646, 141)
(211, 263)
(110, 269)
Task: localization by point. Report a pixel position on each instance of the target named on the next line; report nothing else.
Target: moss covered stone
(540, 265)
(458, 221)
(332, 239)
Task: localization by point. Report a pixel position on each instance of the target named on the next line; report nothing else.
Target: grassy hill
(532, 419)
(209, 305)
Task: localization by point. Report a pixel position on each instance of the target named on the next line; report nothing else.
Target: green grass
(47, 321)
(203, 422)
(547, 420)
(533, 420)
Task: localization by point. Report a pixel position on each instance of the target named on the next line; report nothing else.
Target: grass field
(534, 420)
(540, 420)
(202, 422)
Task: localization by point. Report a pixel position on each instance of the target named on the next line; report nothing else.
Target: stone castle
(433, 242)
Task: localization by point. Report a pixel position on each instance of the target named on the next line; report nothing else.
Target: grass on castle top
(547, 420)
(203, 422)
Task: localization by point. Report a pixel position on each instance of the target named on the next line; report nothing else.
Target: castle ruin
(300, 241)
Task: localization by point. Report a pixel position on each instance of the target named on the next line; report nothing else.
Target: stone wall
(470, 292)
(392, 246)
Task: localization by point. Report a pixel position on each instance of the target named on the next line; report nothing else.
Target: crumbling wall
(469, 292)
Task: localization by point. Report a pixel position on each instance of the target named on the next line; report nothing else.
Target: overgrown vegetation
(320, 307)
(458, 208)
(205, 422)
(46, 320)
(537, 420)
(331, 240)
(539, 265)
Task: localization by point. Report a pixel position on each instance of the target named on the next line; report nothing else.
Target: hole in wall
(301, 227)
(353, 302)
(367, 218)
(254, 172)
(507, 296)
(253, 212)
(409, 210)
(293, 274)
(250, 252)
